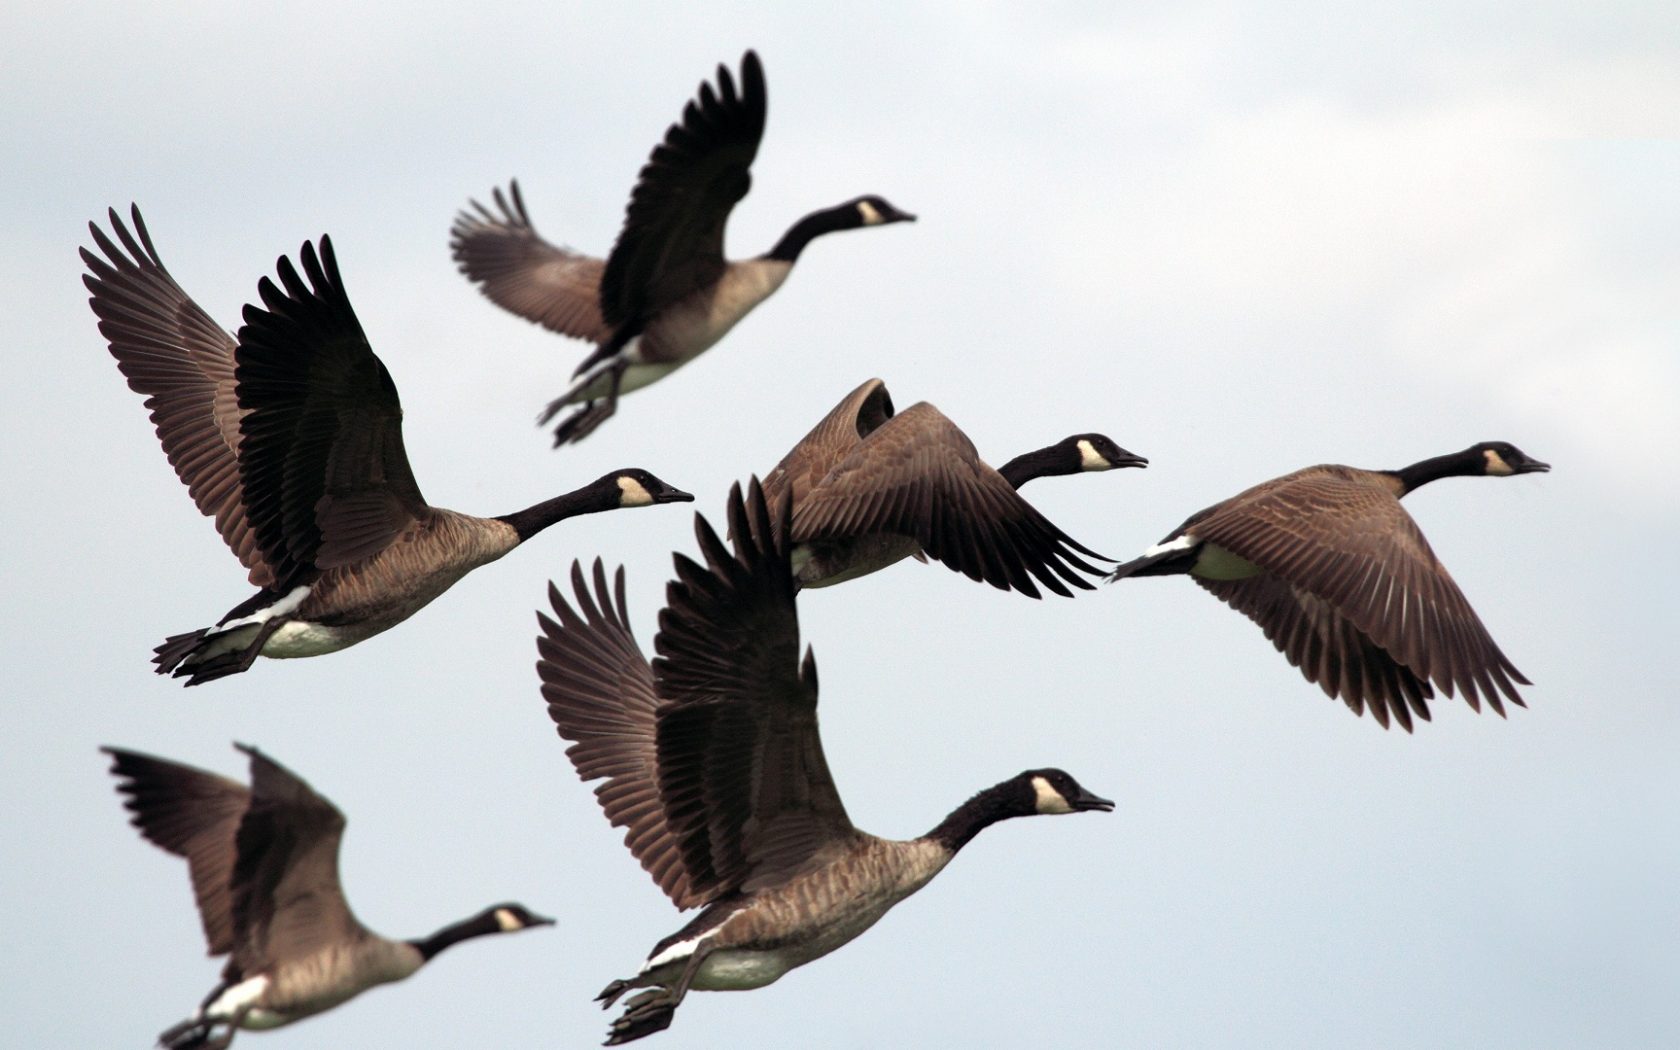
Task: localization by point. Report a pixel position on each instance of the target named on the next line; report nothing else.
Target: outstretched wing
(918, 475)
(327, 481)
(672, 240)
(1330, 651)
(746, 789)
(194, 814)
(521, 272)
(287, 901)
(1375, 569)
(171, 351)
(859, 414)
(601, 695)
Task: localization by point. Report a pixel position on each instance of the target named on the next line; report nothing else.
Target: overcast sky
(1237, 238)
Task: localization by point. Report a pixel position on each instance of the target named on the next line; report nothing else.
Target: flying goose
(264, 866)
(870, 488)
(1343, 582)
(666, 294)
(290, 436)
(714, 765)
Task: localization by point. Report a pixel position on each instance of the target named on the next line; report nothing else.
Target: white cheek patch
(1496, 464)
(1090, 458)
(1049, 799)
(632, 493)
(507, 921)
(870, 216)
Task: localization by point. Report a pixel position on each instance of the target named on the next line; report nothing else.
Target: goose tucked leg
(650, 1011)
(173, 655)
(582, 423)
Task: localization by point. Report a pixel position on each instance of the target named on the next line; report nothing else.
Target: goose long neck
(1041, 463)
(808, 229)
(1457, 464)
(455, 933)
(587, 500)
(975, 815)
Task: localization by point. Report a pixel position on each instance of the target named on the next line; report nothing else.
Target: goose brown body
(1343, 582)
(290, 436)
(264, 866)
(666, 293)
(714, 766)
(871, 487)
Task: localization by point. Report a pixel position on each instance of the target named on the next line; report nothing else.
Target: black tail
(1175, 562)
(191, 1034)
(185, 655)
(175, 648)
(645, 1014)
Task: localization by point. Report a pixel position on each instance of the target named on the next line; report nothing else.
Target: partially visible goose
(715, 767)
(291, 437)
(666, 293)
(1340, 577)
(871, 488)
(264, 866)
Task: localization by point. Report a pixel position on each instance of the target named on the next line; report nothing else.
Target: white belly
(301, 638)
(684, 331)
(738, 971)
(1216, 563)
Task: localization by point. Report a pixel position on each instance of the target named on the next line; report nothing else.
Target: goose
(871, 488)
(1342, 581)
(665, 294)
(264, 867)
(714, 765)
(290, 436)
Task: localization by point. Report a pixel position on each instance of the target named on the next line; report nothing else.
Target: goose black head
(1502, 459)
(877, 211)
(511, 917)
(639, 488)
(1099, 452)
(1052, 791)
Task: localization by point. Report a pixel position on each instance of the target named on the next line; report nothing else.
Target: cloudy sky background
(1239, 239)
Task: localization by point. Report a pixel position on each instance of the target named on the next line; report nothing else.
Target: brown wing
(601, 696)
(672, 240)
(859, 414)
(1340, 535)
(191, 813)
(327, 481)
(918, 475)
(1328, 648)
(746, 790)
(520, 272)
(171, 351)
(287, 901)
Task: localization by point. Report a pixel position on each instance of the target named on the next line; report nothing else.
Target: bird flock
(288, 433)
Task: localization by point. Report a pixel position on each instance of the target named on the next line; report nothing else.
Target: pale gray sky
(1238, 238)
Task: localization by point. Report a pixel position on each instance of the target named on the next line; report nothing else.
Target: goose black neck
(1457, 464)
(455, 933)
(808, 229)
(1042, 463)
(587, 500)
(998, 802)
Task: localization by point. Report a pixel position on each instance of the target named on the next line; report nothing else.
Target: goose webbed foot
(582, 423)
(172, 655)
(644, 1014)
(196, 1035)
(611, 992)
